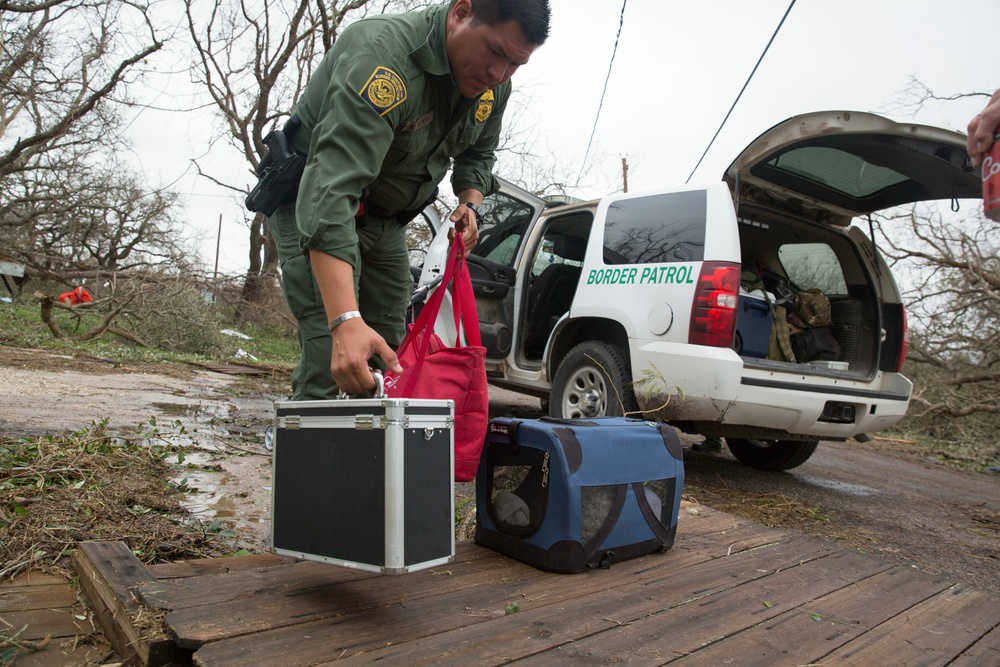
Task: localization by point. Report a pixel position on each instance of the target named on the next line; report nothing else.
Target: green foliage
(465, 517)
(193, 332)
(273, 344)
(215, 527)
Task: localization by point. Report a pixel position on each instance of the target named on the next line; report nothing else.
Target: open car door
(507, 215)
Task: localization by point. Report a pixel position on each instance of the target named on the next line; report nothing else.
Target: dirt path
(219, 419)
(871, 495)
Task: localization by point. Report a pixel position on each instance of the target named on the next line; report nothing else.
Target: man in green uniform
(388, 109)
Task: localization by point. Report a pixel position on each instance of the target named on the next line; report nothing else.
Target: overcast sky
(678, 69)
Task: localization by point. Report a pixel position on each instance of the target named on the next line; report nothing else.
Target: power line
(621, 22)
(707, 148)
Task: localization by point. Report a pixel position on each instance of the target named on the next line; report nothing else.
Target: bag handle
(429, 313)
(456, 275)
(463, 301)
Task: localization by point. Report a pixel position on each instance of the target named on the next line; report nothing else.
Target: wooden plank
(24, 598)
(203, 566)
(33, 579)
(694, 519)
(984, 652)
(931, 633)
(648, 635)
(221, 588)
(800, 635)
(62, 654)
(109, 573)
(465, 611)
(318, 591)
(308, 600)
(455, 624)
(36, 624)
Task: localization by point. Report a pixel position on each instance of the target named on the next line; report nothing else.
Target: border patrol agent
(396, 99)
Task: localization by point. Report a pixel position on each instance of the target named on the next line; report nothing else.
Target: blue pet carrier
(568, 495)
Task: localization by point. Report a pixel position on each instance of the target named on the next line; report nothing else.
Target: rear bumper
(715, 386)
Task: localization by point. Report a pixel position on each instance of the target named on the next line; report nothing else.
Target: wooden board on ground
(728, 591)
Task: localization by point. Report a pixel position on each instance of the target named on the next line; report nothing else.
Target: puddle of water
(239, 494)
(200, 411)
(209, 424)
(844, 487)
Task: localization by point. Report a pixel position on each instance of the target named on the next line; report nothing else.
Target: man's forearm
(335, 278)
(470, 196)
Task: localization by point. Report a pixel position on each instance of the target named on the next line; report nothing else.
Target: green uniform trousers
(382, 285)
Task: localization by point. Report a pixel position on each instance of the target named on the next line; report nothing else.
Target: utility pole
(218, 242)
(624, 174)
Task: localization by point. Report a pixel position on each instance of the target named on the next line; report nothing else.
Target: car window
(813, 265)
(504, 222)
(655, 229)
(548, 255)
(845, 172)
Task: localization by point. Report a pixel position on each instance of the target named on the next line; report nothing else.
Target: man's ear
(461, 10)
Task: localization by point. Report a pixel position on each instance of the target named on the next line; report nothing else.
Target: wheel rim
(586, 394)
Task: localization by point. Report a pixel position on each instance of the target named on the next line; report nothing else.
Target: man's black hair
(532, 16)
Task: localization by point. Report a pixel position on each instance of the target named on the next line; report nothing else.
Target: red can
(991, 180)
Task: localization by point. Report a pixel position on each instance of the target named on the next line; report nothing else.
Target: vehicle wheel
(772, 454)
(593, 380)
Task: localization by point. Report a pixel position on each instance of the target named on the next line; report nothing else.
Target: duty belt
(402, 217)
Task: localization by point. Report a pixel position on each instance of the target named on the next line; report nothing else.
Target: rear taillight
(713, 315)
(905, 345)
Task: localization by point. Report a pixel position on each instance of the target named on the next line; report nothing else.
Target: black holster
(279, 171)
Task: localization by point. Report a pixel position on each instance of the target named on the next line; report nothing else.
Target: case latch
(364, 422)
(292, 422)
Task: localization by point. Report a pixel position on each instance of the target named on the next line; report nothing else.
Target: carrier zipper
(545, 470)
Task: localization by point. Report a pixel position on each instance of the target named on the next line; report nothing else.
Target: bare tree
(64, 68)
(253, 58)
(98, 220)
(951, 266)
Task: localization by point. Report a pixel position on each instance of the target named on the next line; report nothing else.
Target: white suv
(634, 301)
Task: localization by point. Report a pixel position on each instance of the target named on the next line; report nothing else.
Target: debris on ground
(58, 491)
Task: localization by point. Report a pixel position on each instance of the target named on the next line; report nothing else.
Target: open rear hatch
(841, 164)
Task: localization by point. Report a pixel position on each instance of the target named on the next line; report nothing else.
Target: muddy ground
(881, 497)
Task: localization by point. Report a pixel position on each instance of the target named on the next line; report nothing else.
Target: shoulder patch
(384, 91)
(485, 107)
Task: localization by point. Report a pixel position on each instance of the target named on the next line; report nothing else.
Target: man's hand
(982, 128)
(465, 219)
(354, 343)
(467, 225)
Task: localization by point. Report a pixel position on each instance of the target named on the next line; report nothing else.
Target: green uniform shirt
(382, 112)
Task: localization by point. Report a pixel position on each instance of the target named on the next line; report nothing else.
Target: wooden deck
(729, 592)
(43, 614)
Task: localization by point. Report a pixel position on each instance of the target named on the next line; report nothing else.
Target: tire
(772, 454)
(593, 380)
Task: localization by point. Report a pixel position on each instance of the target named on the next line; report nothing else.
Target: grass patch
(21, 326)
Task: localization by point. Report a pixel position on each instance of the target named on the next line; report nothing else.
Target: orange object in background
(77, 296)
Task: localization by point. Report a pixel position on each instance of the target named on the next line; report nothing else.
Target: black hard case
(365, 483)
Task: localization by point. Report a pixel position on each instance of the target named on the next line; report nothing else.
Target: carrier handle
(379, 386)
